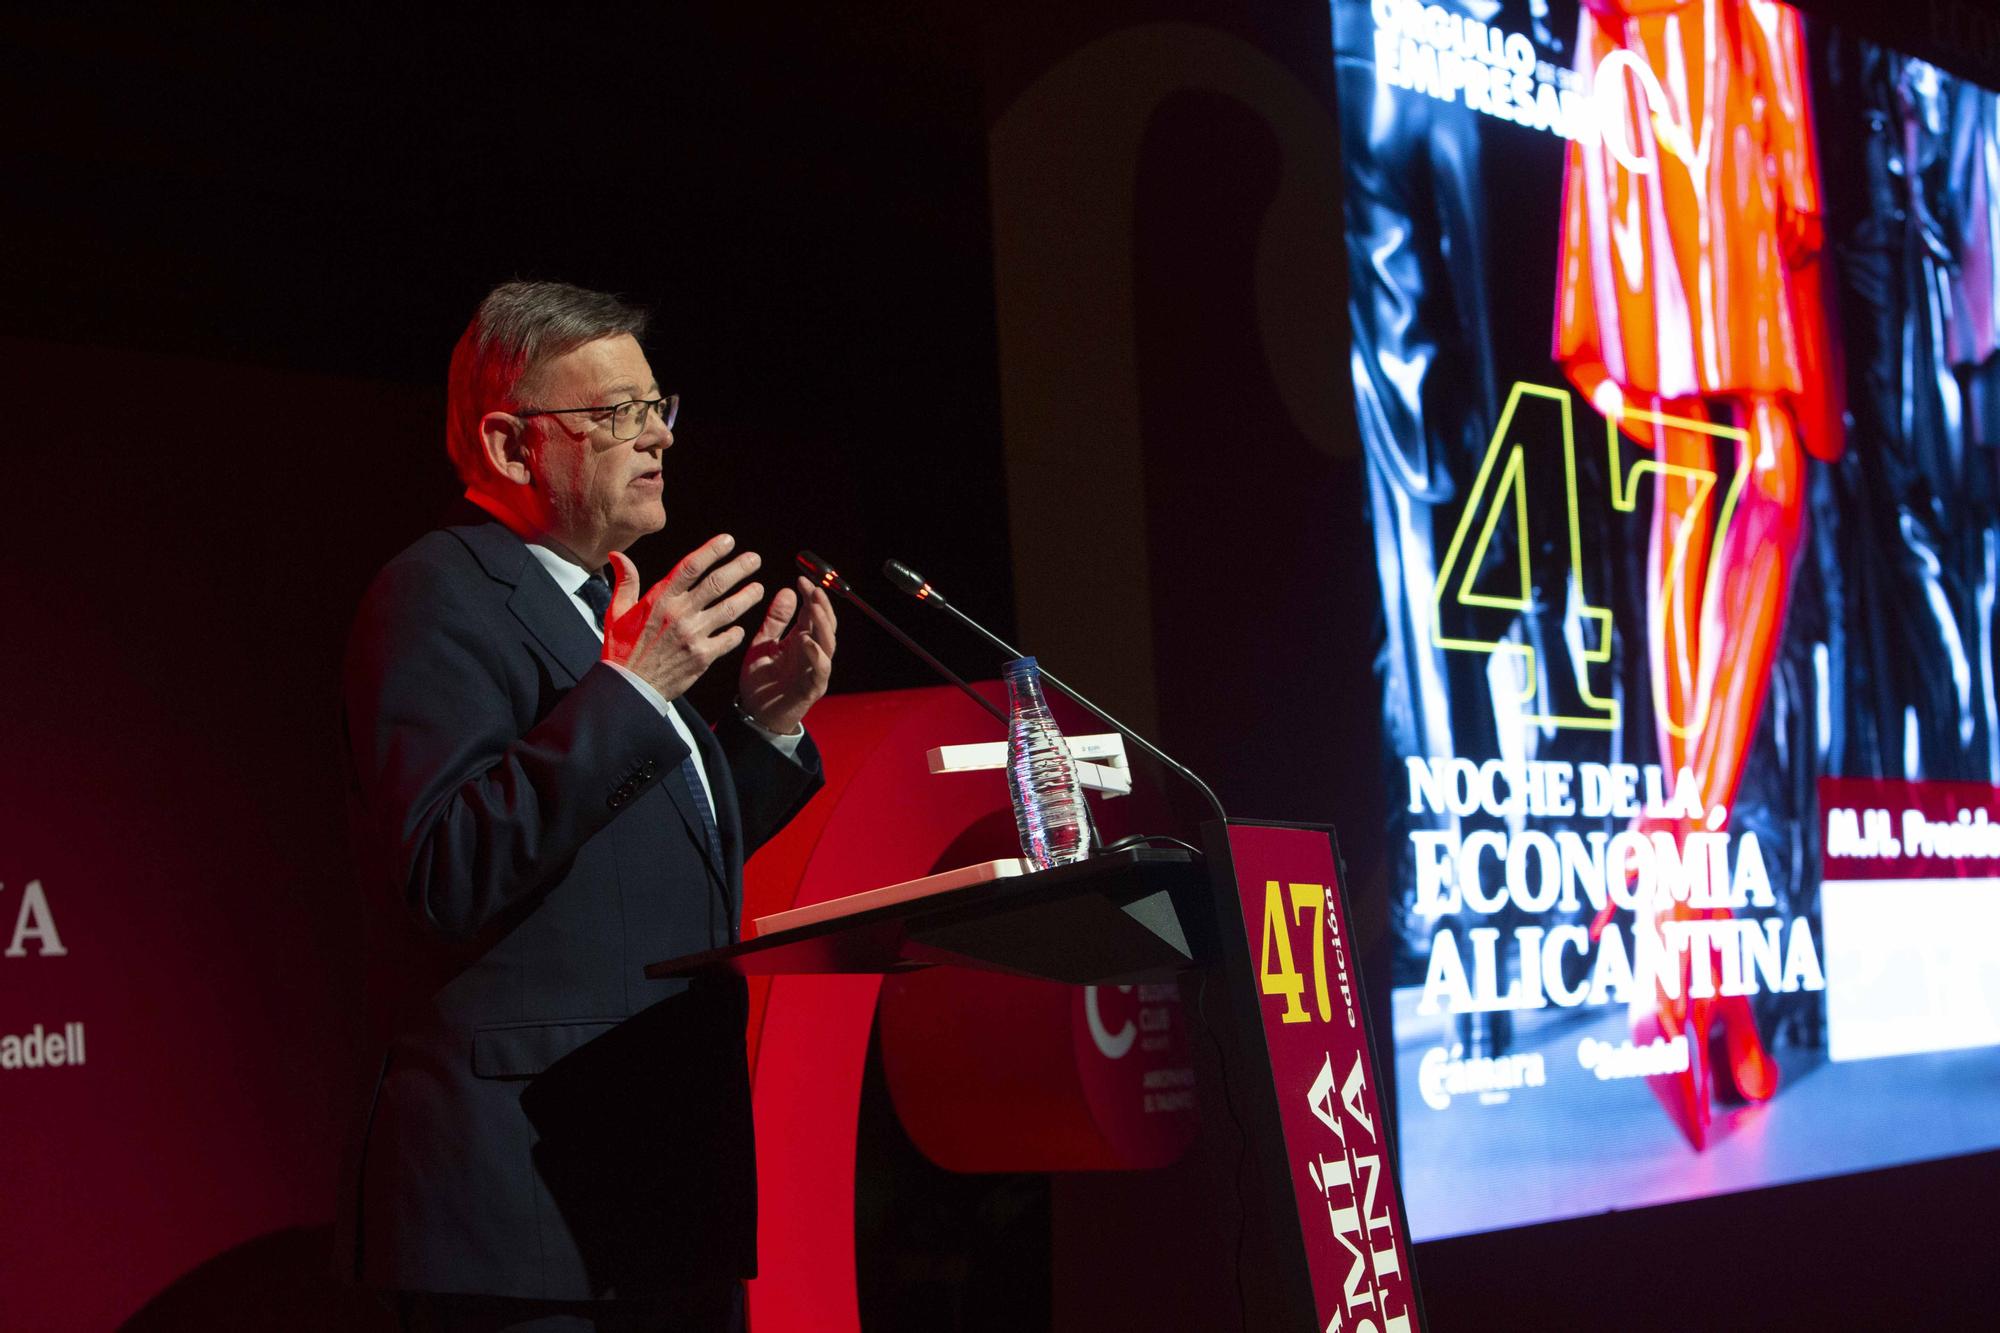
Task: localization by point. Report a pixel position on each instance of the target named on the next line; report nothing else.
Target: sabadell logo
(35, 935)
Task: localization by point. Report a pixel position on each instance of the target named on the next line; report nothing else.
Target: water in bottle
(1041, 776)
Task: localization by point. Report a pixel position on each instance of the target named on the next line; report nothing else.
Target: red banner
(1341, 1169)
(1889, 829)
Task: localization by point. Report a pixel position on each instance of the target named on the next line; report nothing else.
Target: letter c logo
(1113, 1044)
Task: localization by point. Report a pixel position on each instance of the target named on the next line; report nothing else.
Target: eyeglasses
(627, 418)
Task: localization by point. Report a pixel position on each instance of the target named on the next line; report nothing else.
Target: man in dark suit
(552, 1140)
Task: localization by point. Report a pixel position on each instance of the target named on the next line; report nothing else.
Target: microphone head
(820, 572)
(909, 581)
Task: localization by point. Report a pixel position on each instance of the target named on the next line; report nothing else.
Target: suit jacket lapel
(543, 609)
(546, 612)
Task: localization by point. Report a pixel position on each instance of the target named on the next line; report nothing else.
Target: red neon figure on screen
(1689, 287)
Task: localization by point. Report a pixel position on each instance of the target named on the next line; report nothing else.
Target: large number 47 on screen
(1506, 545)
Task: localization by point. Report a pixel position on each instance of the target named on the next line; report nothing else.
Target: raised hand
(685, 621)
(790, 659)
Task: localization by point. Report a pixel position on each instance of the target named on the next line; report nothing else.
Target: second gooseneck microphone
(827, 577)
(919, 587)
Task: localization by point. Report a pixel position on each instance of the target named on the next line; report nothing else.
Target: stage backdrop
(1164, 284)
(1673, 352)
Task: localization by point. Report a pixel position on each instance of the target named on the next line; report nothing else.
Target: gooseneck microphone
(827, 577)
(919, 587)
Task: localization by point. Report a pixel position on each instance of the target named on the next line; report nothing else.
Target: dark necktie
(691, 775)
(596, 594)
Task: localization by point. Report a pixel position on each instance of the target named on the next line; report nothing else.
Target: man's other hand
(685, 621)
(790, 659)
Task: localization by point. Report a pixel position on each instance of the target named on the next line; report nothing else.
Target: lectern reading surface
(1112, 919)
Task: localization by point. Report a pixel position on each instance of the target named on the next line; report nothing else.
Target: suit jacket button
(617, 799)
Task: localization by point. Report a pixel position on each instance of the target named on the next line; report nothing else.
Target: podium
(1262, 915)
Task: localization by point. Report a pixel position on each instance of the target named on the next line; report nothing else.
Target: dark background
(234, 255)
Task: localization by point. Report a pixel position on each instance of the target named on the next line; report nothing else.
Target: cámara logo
(1444, 1074)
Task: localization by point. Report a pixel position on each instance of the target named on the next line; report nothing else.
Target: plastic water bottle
(1041, 776)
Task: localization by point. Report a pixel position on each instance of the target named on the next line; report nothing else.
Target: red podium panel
(1317, 1123)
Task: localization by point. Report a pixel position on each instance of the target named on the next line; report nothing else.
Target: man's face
(603, 493)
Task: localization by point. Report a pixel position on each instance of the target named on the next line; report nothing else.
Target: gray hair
(519, 328)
